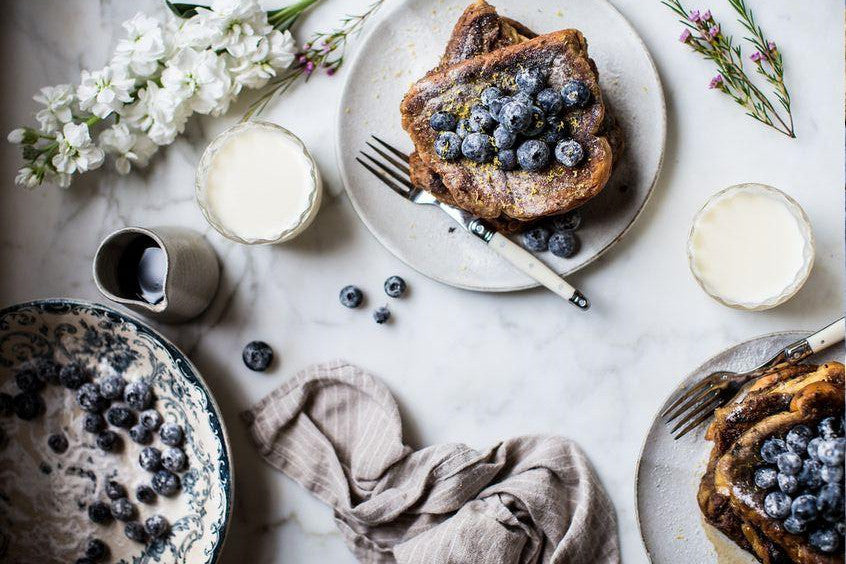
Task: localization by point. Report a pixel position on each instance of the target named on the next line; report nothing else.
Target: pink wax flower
(716, 82)
(757, 57)
(695, 16)
(685, 36)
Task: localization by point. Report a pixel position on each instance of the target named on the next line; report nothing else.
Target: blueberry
(777, 505)
(156, 526)
(443, 121)
(831, 451)
(6, 404)
(772, 448)
(829, 502)
(83, 560)
(536, 239)
(4, 440)
(496, 106)
(135, 531)
(28, 381)
(463, 128)
(516, 116)
(789, 463)
(72, 376)
(794, 525)
(832, 474)
(787, 483)
(395, 286)
(813, 447)
(151, 419)
(504, 138)
(257, 355)
(569, 221)
(576, 94)
(564, 244)
(804, 507)
(351, 296)
(481, 119)
(506, 159)
(166, 483)
(109, 441)
(550, 136)
(93, 423)
(840, 527)
(171, 434)
(138, 394)
(550, 101)
(797, 439)
(89, 398)
(559, 125)
(490, 94)
(478, 147)
(524, 99)
(96, 550)
(145, 494)
(100, 513)
(530, 81)
(448, 145)
(47, 370)
(537, 123)
(533, 155)
(114, 490)
(569, 152)
(58, 443)
(112, 387)
(766, 478)
(825, 540)
(140, 434)
(811, 474)
(150, 459)
(174, 459)
(382, 315)
(28, 406)
(122, 509)
(830, 428)
(120, 416)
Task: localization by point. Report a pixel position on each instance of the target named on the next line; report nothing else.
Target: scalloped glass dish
(751, 247)
(257, 184)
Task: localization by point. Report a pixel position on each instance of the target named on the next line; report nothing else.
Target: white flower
(233, 22)
(16, 136)
(130, 147)
(157, 112)
(199, 78)
(143, 47)
(58, 100)
(197, 32)
(271, 54)
(76, 150)
(104, 91)
(27, 178)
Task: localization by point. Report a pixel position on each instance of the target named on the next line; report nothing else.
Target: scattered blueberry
(569, 221)
(28, 381)
(89, 398)
(576, 94)
(108, 441)
(140, 434)
(787, 483)
(481, 119)
(443, 121)
(448, 145)
(72, 376)
(504, 138)
(831, 428)
(120, 416)
(150, 459)
(550, 101)
(382, 315)
(138, 394)
(171, 434)
(463, 128)
(569, 153)
(145, 494)
(506, 159)
(824, 540)
(96, 550)
(810, 476)
(794, 525)
(151, 419)
(174, 459)
(115, 490)
(766, 478)
(351, 296)
(490, 94)
(797, 439)
(93, 423)
(536, 239)
(395, 286)
(772, 448)
(122, 509)
(533, 155)
(530, 81)
(789, 463)
(6, 404)
(58, 443)
(777, 505)
(99, 512)
(257, 355)
(28, 406)
(478, 147)
(112, 387)
(804, 507)
(831, 451)
(516, 116)
(135, 531)
(166, 483)
(156, 526)
(829, 502)
(564, 244)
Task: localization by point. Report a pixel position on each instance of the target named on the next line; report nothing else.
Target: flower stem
(284, 18)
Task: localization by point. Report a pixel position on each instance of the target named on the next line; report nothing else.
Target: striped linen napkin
(336, 430)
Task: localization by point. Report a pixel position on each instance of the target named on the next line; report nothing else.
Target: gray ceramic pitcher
(190, 275)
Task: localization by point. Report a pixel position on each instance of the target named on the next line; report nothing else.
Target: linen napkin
(337, 431)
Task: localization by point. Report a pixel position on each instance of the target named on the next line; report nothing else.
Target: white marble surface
(486, 366)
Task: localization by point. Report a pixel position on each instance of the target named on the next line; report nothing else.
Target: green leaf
(183, 10)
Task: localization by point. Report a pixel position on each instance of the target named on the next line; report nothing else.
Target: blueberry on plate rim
(536, 239)
(564, 244)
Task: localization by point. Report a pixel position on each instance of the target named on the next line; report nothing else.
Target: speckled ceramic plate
(669, 471)
(405, 44)
(44, 495)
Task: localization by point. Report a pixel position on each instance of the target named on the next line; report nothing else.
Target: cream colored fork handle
(528, 263)
(828, 336)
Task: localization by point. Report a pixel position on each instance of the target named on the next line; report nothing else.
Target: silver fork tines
(391, 167)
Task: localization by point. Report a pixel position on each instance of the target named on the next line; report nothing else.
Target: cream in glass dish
(751, 247)
(258, 184)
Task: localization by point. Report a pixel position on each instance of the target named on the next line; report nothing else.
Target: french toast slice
(771, 406)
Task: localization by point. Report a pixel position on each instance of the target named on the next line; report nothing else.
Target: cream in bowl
(258, 184)
(751, 247)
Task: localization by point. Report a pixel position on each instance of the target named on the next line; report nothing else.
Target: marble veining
(488, 366)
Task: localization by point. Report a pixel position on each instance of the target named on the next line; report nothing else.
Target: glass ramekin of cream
(751, 247)
(257, 184)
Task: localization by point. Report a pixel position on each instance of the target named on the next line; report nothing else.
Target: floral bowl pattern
(43, 495)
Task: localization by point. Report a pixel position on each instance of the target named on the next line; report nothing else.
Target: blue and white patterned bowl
(43, 495)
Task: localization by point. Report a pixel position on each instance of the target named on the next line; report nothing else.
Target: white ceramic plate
(404, 45)
(669, 471)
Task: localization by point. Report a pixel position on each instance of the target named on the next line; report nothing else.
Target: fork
(699, 401)
(393, 171)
